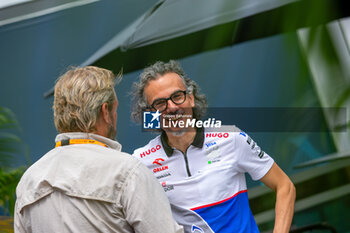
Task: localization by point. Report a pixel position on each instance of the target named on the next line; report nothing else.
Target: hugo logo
(219, 135)
(149, 151)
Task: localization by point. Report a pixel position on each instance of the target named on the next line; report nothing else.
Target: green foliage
(8, 141)
(7, 119)
(8, 182)
(9, 148)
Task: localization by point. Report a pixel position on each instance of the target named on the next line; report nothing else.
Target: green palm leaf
(7, 119)
(9, 150)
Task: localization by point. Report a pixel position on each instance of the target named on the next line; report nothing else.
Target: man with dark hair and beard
(201, 171)
(86, 184)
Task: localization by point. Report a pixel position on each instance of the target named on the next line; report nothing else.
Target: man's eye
(176, 96)
(160, 103)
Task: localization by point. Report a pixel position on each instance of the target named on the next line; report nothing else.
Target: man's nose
(172, 106)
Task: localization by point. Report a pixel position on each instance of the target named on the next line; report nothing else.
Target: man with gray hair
(201, 171)
(86, 184)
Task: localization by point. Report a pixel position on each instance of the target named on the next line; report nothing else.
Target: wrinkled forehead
(163, 86)
(169, 78)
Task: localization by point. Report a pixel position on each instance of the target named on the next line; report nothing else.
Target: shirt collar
(79, 135)
(197, 141)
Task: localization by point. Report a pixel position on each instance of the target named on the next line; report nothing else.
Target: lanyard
(79, 141)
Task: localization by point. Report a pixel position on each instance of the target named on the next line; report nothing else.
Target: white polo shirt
(206, 186)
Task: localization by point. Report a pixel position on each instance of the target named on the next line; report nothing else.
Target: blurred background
(248, 54)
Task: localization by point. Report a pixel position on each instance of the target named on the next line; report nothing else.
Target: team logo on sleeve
(243, 134)
(151, 120)
(253, 145)
(261, 154)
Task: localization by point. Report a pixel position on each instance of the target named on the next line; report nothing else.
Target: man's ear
(105, 113)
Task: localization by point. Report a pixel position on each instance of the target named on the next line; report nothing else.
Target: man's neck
(181, 142)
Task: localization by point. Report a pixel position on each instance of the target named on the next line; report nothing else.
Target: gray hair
(79, 95)
(155, 71)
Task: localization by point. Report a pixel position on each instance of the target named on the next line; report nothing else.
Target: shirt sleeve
(251, 158)
(145, 204)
